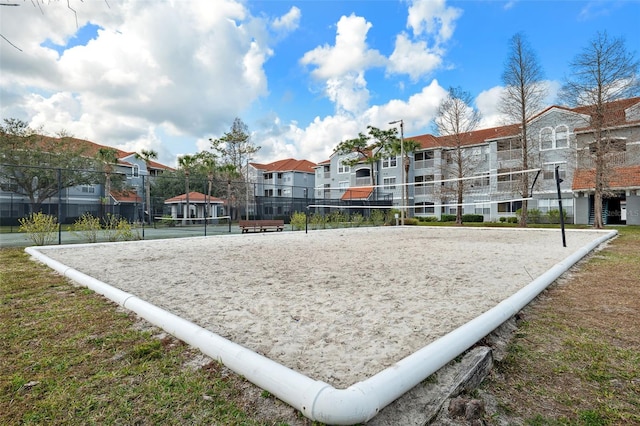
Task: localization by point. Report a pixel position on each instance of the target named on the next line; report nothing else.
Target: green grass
(71, 357)
(576, 359)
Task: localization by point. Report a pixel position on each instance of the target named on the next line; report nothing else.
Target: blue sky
(303, 75)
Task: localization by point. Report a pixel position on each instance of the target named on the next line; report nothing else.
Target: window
(343, 185)
(546, 138)
(136, 170)
(388, 162)
(268, 176)
(509, 144)
(389, 183)
(549, 171)
(554, 138)
(343, 168)
(424, 155)
(562, 137)
(425, 207)
(268, 192)
(509, 207)
(89, 189)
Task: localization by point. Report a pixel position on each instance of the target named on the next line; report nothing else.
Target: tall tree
(368, 148)
(107, 158)
(523, 97)
(456, 119)
(235, 147)
(147, 155)
(39, 166)
(603, 72)
(404, 147)
(187, 163)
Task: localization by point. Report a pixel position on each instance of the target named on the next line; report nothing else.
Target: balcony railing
(424, 164)
(363, 181)
(614, 159)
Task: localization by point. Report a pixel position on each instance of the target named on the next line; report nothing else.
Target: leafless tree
(456, 119)
(523, 97)
(603, 72)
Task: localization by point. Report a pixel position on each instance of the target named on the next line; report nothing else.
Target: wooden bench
(261, 225)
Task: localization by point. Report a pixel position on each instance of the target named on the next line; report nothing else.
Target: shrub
(512, 219)
(410, 221)
(377, 217)
(428, 218)
(298, 221)
(357, 219)
(472, 218)
(448, 218)
(534, 215)
(87, 226)
(503, 219)
(116, 228)
(554, 215)
(318, 221)
(41, 228)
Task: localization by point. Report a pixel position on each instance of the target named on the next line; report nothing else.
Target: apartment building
(560, 138)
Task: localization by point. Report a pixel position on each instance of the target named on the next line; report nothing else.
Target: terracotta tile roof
(126, 196)
(357, 193)
(621, 177)
(614, 112)
(194, 197)
(476, 137)
(90, 149)
(287, 165)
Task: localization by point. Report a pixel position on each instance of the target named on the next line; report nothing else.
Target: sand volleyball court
(337, 305)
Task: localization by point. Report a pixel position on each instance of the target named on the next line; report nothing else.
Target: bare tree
(523, 97)
(603, 72)
(456, 119)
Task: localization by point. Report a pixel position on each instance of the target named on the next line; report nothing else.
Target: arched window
(546, 138)
(136, 171)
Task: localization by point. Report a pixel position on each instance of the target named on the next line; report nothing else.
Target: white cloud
(414, 59)
(136, 75)
(349, 54)
(487, 103)
(434, 18)
(289, 21)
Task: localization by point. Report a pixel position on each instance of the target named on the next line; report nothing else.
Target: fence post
(59, 206)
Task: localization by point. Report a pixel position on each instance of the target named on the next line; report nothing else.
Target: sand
(336, 305)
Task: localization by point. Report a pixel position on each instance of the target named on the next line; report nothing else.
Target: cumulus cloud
(349, 54)
(135, 75)
(288, 22)
(434, 18)
(413, 58)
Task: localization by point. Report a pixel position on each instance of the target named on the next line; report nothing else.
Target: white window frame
(343, 185)
(389, 162)
(389, 183)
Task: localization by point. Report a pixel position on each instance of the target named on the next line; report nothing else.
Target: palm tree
(108, 157)
(187, 162)
(403, 147)
(207, 162)
(147, 155)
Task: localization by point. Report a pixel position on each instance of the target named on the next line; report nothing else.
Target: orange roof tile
(287, 165)
(621, 177)
(194, 197)
(357, 193)
(126, 196)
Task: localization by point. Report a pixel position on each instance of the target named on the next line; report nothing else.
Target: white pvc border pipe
(315, 399)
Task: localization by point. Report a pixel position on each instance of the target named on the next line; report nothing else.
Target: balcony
(424, 164)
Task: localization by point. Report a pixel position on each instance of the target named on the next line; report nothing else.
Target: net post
(558, 181)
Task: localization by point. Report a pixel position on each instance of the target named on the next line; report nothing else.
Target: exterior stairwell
(605, 212)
